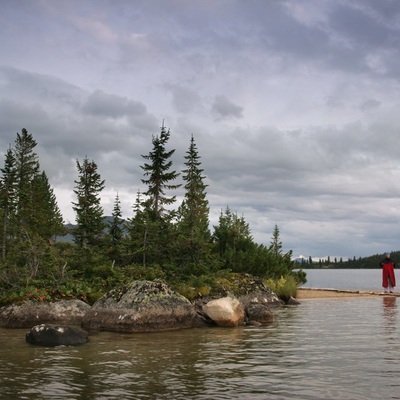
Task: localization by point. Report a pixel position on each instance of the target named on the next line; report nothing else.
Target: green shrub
(285, 287)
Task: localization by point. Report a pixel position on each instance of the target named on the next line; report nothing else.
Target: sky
(294, 106)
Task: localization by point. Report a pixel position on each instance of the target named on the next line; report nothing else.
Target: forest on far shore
(369, 262)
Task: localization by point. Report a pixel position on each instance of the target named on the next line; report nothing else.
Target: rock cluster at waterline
(146, 306)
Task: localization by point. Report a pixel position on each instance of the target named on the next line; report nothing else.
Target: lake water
(357, 279)
(321, 349)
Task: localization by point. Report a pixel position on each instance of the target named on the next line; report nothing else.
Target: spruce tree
(194, 209)
(89, 213)
(233, 241)
(137, 232)
(47, 219)
(194, 240)
(276, 244)
(158, 231)
(27, 166)
(159, 177)
(8, 199)
(116, 228)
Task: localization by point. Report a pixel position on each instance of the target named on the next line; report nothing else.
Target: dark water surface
(322, 349)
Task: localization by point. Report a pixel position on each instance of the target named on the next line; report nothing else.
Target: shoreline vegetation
(311, 293)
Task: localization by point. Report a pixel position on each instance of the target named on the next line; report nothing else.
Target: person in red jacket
(388, 278)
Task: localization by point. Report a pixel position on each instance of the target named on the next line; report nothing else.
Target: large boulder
(142, 306)
(226, 312)
(56, 335)
(31, 313)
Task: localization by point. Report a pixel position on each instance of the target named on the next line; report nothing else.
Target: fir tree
(47, 219)
(27, 166)
(159, 176)
(194, 240)
(8, 197)
(194, 210)
(233, 241)
(276, 244)
(159, 239)
(137, 232)
(89, 213)
(115, 225)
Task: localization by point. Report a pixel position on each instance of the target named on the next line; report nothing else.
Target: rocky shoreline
(139, 306)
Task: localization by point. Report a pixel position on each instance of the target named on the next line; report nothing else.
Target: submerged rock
(142, 306)
(259, 314)
(56, 335)
(31, 313)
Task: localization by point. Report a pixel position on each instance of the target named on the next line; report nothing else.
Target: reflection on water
(389, 313)
(331, 349)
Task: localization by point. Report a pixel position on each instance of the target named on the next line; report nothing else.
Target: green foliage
(89, 213)
(158, 177)
(193, 241)
(285, 287)
(159, 242)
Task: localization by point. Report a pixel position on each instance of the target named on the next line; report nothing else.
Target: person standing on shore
(388, 278)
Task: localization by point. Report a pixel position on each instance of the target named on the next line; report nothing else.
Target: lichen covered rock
(31, 313)
(141, 306)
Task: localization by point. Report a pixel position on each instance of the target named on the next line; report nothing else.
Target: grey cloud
(184, 99)
(110, 105)
(224, 108)
(369, 105)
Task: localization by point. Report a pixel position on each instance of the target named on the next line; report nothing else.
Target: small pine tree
(137, 238)
(116, 230)
(232, 239)
(276, 244)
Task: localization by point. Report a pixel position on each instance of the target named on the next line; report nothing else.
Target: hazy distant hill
(69, 238)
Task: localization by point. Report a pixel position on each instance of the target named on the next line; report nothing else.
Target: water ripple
(334, 349)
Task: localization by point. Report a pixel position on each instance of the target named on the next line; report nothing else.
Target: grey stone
(31, 313)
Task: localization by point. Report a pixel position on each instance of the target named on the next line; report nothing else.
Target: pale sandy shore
(304, 293)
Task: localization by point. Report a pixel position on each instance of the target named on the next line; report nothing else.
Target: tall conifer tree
(159, 177)
(158, 228)
(89, 213)
(194, 240)
(47, 219)
(194, 209)
(8, 198)
(27, 166)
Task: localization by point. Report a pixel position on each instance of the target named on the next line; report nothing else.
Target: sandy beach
(303, 294)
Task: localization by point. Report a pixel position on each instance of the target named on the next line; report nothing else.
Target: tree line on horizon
(369, 262)
(161, 240)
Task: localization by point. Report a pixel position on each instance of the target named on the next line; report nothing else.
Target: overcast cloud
(294, 106)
